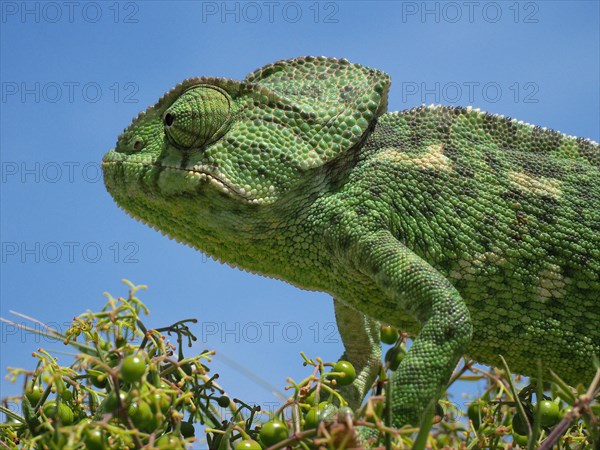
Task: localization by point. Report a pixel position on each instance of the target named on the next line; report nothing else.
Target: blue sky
(73, 77)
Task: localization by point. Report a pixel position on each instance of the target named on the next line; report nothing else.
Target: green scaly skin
(475, 233)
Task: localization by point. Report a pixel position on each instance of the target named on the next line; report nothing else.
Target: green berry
(566, 410)
(549, 413)
(187, 429)
(60, 412)
(67, 395)
(160, 401)
(389, 335)
(474, 412)
(223, 401)
(311, 400)
(168, 440)
(104, 345)
(394, 356)
(97, 379)
(520, 439)
(189, 368)
(143, 417)
(273, 432)
(325, 412)
(33, 392)
(133, 368)
(519, 426)
(110, 402)
(132, 409)
(93, 438)
(345, 412)
(248, 444)
(311, 418)
(348, 373)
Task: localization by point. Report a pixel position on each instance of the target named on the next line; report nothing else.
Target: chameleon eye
(198, 118)
(169, 119)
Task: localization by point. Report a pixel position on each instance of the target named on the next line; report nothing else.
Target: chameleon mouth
(199, 175)
(205, 174)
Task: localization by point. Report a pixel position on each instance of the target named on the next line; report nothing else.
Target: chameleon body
(477, 234)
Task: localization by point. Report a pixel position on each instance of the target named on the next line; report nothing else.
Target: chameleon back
(510, 214)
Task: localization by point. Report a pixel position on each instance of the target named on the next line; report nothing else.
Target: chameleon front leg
(422, 292)
(360, 335)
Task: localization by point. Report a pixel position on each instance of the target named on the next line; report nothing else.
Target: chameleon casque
(475, 233)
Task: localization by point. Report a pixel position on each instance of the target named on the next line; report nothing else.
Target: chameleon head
(230, 145)
(177, 147)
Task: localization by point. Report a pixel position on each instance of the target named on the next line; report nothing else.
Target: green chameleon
(475, 233)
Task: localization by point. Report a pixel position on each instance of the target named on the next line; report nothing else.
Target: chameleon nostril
(137, 144)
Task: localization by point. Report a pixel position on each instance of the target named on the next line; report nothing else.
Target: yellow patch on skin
(470, 268)
(536, 185)
(551, 283)
(433, 158)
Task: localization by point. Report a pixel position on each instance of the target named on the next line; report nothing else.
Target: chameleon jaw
(199, 176)
(202, 175)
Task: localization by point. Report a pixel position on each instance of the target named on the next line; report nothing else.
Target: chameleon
(474, 233)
